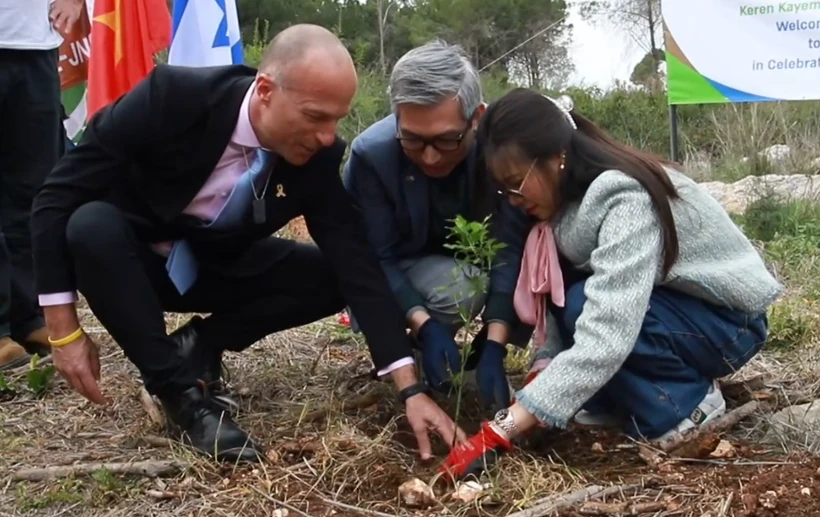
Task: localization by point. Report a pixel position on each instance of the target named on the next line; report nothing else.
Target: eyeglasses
(517, 191)
(445, 145)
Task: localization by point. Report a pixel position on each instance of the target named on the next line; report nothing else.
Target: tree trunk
(382, 21)
(650, 18)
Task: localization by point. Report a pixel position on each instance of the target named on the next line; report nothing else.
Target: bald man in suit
(169, 203)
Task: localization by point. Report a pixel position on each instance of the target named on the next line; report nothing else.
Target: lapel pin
(280, 191)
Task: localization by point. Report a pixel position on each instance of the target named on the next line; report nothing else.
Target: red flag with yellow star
(125, 35)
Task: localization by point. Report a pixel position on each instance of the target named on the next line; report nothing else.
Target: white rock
(467, 492)
(417, 493)
(735, 197)
(777, 154)
(724, 450)
(796, 421)
(769, 500)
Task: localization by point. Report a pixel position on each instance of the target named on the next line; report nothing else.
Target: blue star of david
(221, 38)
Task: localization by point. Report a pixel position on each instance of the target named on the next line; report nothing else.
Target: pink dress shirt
(210, 199)
(213, 195)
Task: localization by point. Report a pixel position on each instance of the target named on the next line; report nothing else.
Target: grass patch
(790, 326)
(789, 235)
(769, 219)
(63, 492)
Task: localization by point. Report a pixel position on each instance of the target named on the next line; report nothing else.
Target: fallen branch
(549, 505)
(622, 508)
(141, 468)
(718, 425)
(650, 456)
(161, 495)
(368, 399)
(155, 414)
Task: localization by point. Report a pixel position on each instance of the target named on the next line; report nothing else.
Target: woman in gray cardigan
(662, 293)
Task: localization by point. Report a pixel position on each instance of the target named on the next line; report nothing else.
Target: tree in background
(641, 20)
(378, 32)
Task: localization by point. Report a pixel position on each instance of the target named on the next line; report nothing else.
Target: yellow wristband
(68, 339)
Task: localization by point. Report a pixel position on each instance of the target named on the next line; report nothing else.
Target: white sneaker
(584, 417)
(711, 407)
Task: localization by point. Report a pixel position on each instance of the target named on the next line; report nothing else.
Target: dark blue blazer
(394, 197)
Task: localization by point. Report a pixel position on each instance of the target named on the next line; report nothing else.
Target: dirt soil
(351, 461)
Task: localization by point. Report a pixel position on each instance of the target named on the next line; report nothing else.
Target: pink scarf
(540, 275)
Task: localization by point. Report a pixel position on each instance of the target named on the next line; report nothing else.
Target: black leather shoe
(207, 362)
(205, 426)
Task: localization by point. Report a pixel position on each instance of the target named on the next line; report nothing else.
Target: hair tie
(565, 104)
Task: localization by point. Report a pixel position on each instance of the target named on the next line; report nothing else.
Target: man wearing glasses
(412, 173)
(217, 159)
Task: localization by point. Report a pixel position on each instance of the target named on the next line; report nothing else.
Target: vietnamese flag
(125, 35)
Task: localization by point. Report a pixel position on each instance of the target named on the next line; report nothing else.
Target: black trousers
(30, 145)
(127, 287)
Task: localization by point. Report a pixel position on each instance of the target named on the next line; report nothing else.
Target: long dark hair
(525, 121)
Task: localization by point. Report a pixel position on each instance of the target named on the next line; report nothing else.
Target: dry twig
(140, 468)
(724, 510)
(624, 508)
(723, 423)
(552, 504)
(155, 414)
(160, 495)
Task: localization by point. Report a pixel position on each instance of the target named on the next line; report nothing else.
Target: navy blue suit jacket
(393, 194)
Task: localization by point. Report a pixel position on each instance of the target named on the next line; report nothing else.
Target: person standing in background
(31, 142)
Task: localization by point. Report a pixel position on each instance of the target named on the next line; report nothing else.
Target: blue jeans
(684, 344)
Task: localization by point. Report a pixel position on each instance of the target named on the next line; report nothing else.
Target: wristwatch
(412, 390)
(504, 420)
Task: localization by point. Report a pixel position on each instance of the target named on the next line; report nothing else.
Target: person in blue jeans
(412, 173)
(662, 293)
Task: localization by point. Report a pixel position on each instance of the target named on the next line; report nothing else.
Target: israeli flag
(206, 33)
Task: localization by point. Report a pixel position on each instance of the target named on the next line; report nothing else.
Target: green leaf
(5, 387)
(39, 379)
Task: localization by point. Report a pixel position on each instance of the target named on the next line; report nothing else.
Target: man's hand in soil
(425, 415)
(64, 14)
(79, 364)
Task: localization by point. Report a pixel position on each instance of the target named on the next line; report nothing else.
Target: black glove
(491, 377)
(439, 350)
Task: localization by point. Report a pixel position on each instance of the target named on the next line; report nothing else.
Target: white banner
(742, 50)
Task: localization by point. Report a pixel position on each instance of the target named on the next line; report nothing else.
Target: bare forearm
(417, 319)
(404, 376)
(61, 320)
(498, 332)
